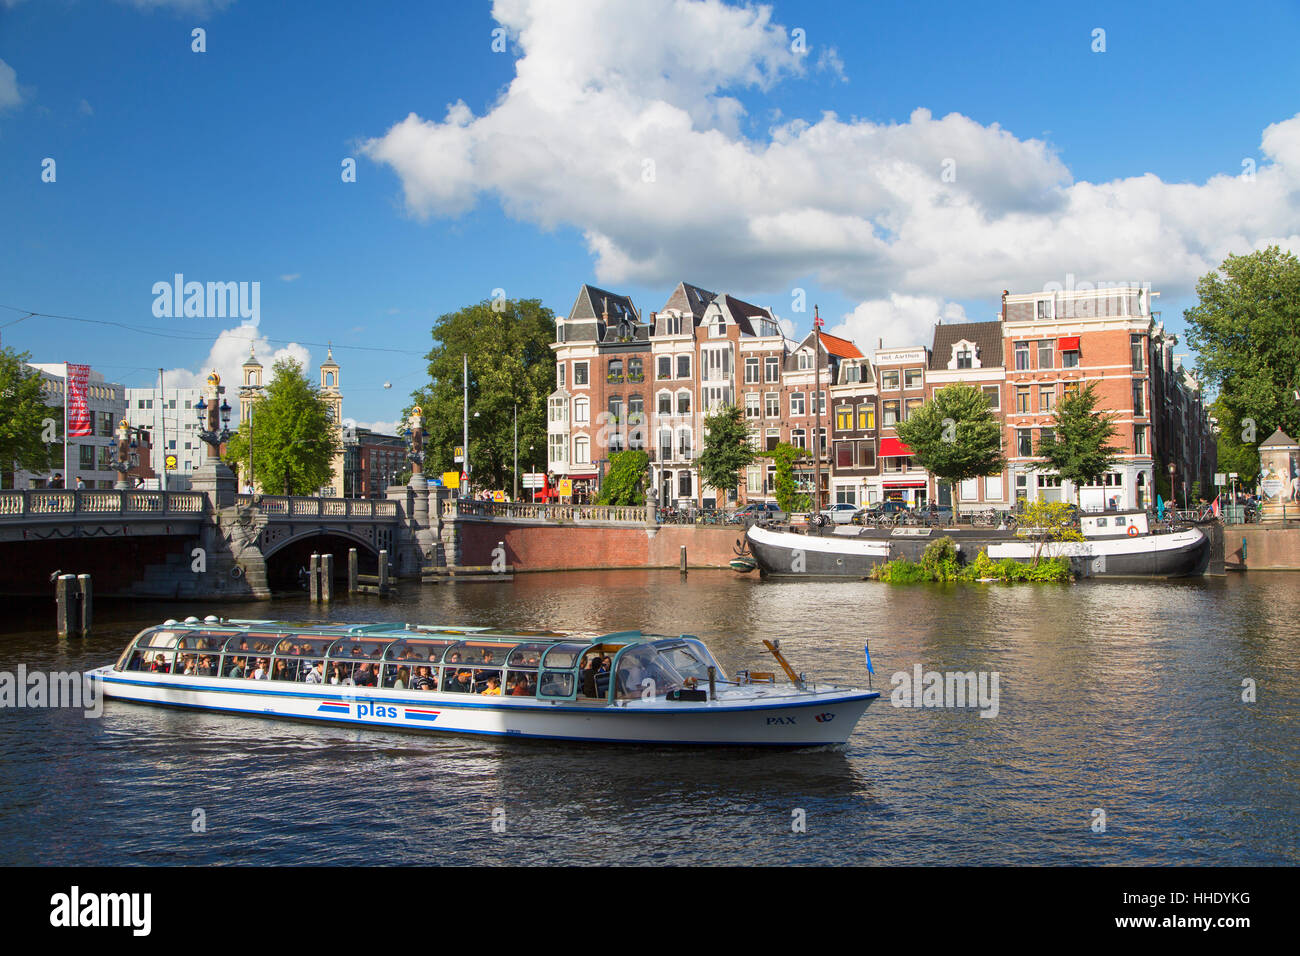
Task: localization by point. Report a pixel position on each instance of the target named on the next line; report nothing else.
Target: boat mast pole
(817, 393)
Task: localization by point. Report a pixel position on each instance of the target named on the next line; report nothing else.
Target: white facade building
(169, 417)
(89, 458)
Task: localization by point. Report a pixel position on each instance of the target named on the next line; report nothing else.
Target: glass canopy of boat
(452, 660)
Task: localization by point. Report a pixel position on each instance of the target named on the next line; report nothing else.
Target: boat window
(556, 684)
(689, 658)
(479, 652)
(161, 639)
(357, 649)
(248, 644)
(563, 655)
(204, 640)
(417, 651)
(520, 683)
(1101, 522)
(401, 670)
(527, 655)
(1119, 522)
(457, 679)
(666, 665)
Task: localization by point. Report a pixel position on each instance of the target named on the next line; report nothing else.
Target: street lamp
(126, 447)
(211, 415)
(1173, 490)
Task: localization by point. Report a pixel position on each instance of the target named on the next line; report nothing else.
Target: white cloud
(195, 7)
(863, 206)
(829, 62)
(383, 428)
(85, 109)
(227, 356)
(900, 320)
(9, 93)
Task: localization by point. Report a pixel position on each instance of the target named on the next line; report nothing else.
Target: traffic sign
(171, 461)
(566, 486)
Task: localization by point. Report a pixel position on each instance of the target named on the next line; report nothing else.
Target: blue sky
(225, 165)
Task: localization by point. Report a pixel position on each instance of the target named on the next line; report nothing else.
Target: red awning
(1068, 344)
(893, 448)
(579, 477)
(905, 484)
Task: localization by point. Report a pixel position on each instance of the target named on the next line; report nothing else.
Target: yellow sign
(451, 479)
(566, 486)
(498, 496)
(171, 461)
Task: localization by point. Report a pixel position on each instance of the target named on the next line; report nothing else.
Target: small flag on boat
(1215, 507)
(867, 650)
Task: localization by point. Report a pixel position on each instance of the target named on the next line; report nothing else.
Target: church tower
(331, 392)
(252, 382)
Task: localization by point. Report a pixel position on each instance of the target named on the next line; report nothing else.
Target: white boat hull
(746, 716)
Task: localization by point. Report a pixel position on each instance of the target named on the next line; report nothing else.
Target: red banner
(79, 418)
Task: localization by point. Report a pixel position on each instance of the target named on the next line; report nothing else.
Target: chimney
(1004, 305)
(880, 344)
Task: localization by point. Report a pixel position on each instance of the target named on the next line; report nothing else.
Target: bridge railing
(539, 511)
(310, 507)
(44, 503)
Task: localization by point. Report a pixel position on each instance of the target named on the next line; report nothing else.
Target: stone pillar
(215, 479)
(424, 529)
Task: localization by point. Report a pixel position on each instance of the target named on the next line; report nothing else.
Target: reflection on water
(1120, 696)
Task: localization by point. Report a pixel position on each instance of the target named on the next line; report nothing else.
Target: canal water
(1122, 699)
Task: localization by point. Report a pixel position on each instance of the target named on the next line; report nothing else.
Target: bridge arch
(288, 558)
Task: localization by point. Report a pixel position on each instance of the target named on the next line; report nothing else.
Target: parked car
(757, 511)
(840, 513)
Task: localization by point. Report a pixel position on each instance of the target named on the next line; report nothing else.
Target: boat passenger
(314, 675)
(493, 687)
(238, 669)
(338, 672)
(205, 666)
(589, 677)
(280, 671)
(423, 680)
(364, 676)
(260, 671)
(462, 683)
(403, 679)
(160, 665)
(520, 688)
(190, 667)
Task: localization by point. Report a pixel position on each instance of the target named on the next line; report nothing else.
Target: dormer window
(805, 360)
(1045, 308)
(964, 355)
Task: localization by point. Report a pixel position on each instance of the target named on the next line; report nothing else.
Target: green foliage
(510, 362)
(625, 482)
(1246, 330)
(1080, 450)
(1054, 520)
(941, 562)
(788, 499)
(726, 448)
(293, 436)
(1234, 454)
(955, 435)
(22, 417)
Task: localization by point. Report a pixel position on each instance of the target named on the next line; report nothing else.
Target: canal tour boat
(475, 680)
(1116, 544)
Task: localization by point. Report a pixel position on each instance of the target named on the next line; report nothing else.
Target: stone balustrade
(45, 503)
(452, 508)
(320, 507)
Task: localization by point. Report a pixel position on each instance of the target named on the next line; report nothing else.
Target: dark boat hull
(789, 554)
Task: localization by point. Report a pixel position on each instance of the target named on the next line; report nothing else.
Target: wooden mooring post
(383, 571)
(75, 604)
(683, 559)
(352, 570)
(313, 580)
(327, 578)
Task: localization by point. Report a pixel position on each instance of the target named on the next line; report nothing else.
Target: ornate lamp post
(418, 486)
(213, 476)
(126, 446)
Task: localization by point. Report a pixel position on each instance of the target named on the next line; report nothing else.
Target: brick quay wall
(1267, 547)
(550, 547)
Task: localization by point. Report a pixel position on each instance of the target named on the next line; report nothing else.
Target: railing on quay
(73, 503)
(311, 507)
(539, 511)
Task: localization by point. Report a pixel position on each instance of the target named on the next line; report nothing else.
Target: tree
(510, 363)
(955, 435)
(294, 439)
(726, 449)
(1079, 448)
(28, 426)
(1246, 329)
(625, 483)
(788, 498)
(1234, 454)
(1048, 521)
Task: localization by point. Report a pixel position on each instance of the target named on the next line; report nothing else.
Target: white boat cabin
(1112, 523)
(529, 664)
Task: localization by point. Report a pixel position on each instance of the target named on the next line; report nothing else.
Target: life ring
(236, 572)
(1132, 531)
